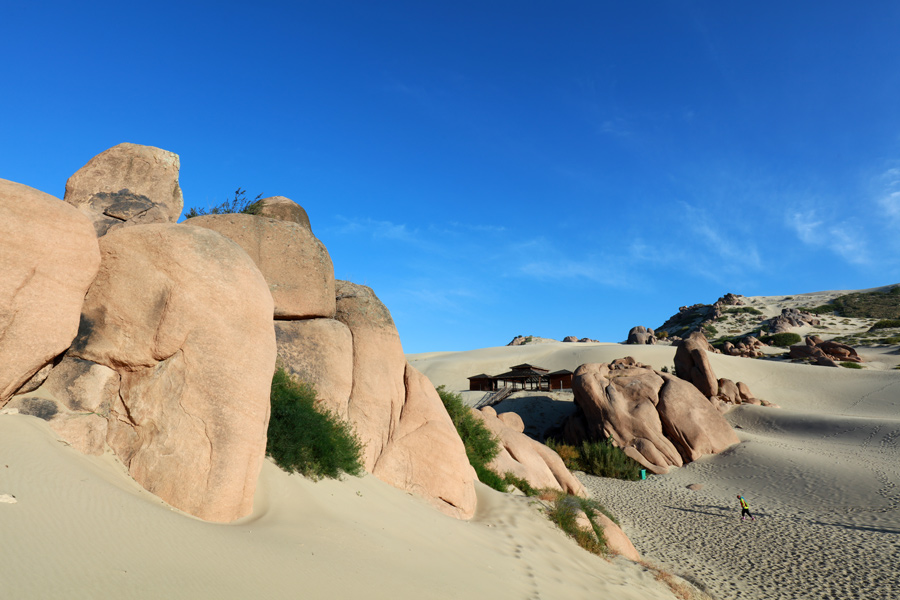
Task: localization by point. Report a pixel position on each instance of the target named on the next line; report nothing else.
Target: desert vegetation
(239, 204)
(305, 438)
(602, 459)
(782, 340)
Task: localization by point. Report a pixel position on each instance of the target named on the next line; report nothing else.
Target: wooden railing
(494, 397)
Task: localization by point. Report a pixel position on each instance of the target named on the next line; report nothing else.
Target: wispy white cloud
(844, 238)
(379, 230)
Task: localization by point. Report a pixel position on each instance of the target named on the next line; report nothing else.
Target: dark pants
(745, 511)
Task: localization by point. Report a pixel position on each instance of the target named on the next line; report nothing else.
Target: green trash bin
(643, 473)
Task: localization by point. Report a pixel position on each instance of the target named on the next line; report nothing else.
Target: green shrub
(710, 330)
(869, 305)
(521, 484)
(481, 445)
(662, 335)
(825, 309)
(563, 512)
(851, 365)
(602, 459)
(239, 204)
(892, 341)
(304, 438)
(782, 340)
(885, 324)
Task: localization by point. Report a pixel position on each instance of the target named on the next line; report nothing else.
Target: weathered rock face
(48, 258)
(526, 458)
(296, 265)
(425, 455)
(409, 439)
(570, 338)
(692, 365)
(319, 352)
(379, 367)
(656, 418)
(641, 335)
(128, 184)
(791, 318)
(184, 317)
(282, 209)
(616, 540)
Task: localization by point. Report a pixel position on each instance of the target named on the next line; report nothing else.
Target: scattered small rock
(695, 487)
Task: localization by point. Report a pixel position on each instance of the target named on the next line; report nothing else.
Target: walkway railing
(494, 397)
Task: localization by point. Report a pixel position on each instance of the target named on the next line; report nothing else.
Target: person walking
(745, 509)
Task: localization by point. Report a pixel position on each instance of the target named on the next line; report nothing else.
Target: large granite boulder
(184, 317)
(379, 367)
(294, 262)
(425, 455)
(128, 184)
(692, 364)
(319, 352)
(282, 209)
(396, 412)
(48, 258)
(526, 458)
(656, 418)
(641, 335)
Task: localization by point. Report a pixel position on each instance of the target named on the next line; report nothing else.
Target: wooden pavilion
(524, 377)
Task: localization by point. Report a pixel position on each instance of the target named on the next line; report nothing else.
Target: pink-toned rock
(728, 391)
(691, 422)
(570, 338)
(379, 367)
(128, 184)
(692, 365)
(83, 385)
(319, 352)
(695, 487)
(658, 419)
(283, 209)
(526, 458)
(48, 258)
(616, 540)
(296, 265)
(425, 455)
(621, 403)
(744, 391)
(185, 318)
(513, 421)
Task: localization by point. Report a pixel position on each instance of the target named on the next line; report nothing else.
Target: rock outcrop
(791, 318)
(48, 258)
(184, 318)
(641, 335)
(748, 346)
(283, 209)
(526, 458)
(381, 398)
(128, 184)
(692, 364)
(425, 455)
(824, 353)
(658, 419)
(294, 262)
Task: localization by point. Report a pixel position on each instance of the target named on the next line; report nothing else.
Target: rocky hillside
(844, 316)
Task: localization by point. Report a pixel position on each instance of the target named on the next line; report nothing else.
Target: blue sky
(499, 168)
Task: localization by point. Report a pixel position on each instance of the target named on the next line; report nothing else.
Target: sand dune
(822, 473)
(80, 528)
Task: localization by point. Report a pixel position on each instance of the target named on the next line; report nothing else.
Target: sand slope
(822, 474)
(80, 528)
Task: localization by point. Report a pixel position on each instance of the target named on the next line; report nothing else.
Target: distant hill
(845, 315)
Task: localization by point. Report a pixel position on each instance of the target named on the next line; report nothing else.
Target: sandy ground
(821, 473)
(79, 527)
